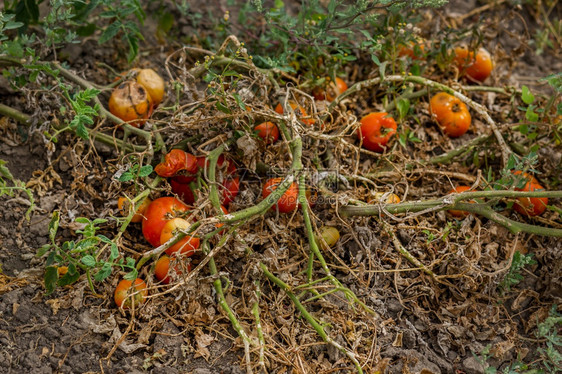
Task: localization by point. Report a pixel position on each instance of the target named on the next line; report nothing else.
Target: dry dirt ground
(72, 331)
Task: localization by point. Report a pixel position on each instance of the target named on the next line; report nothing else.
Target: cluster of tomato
(526, 206)
(451, 114)
(134, 100)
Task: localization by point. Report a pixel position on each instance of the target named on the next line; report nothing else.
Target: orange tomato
(268, 131)
(376, 130)
(476, 68)
(186, 246)
(459, 213)
(123, 204)
(153, 83)
(288, 201)
(131, 103)
(299, 111)
(162, 269)
(333, 90)
(128, 293)
(530, 206)
(528, 177)
(450, 113)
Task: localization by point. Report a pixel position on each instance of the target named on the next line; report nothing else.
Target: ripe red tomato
(177, 161)
(128, 293)
(450, 113)
(183, 190)
(376, 130)
(131, 103)
(476, 68)
(530, 206)
(162, 269)
(332, 91)
(459, 213)
(157, 214)
(230, 188)
(123, 204)
(268, 131)
(299, 111)
(288, 201)
(186, 246)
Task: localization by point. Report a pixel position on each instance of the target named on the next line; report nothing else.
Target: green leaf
(145, 171)
(222, 108)
(526, 95)
(403, 106)
(83, 220)
(125, 177)
(530, 115)
(132, 275)
(89, 261)
(85, 244)
(114, 252)
(54, 226)
(51, 277)
(109, 32)
(68, 278)
(104, 272)
(375, 59)
(44, 249)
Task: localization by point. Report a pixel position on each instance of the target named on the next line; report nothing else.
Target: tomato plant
(530, 206)
(176, 161)
(376, 130)
(153, 83)
(476, 68)
(187, 245)
(459, 213)
(129, 293)
(288, 201)
(301, 114)
(131, 103)
(157, 214)
(333, 90)
(450, 113)
(124, 205)
(268, 131)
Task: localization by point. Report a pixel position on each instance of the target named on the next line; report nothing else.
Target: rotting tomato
(301, 114)
(124, 206)
(288, 201)
(131, 103)
(530, 206)
(157, 214)
(391, 198)
(450, 113)
(176, 161)
(187, 245)
(268, 131)
(459, 213)
(162, 269)
(129, 293)
(476, 68)
(153, 83)
(333, 90)
(376, 130)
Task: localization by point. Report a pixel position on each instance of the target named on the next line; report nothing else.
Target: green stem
(310, 319)
(256, 313)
